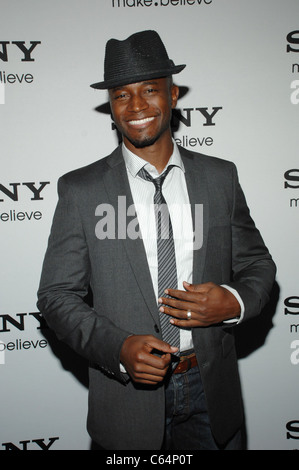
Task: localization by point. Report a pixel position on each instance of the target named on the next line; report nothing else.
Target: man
(146, 391)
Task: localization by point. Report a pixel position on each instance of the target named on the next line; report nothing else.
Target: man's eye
(120, 96)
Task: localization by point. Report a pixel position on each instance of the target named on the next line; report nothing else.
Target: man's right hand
(143, 366)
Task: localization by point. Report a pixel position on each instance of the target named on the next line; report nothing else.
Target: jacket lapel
(117, 184)
(196, 180)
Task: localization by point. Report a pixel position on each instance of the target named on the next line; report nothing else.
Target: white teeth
(141, 121)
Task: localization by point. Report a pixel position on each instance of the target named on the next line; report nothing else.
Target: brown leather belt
(185, 363)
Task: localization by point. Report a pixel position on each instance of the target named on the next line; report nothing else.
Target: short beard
(146, 142)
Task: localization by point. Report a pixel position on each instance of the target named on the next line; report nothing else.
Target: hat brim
(120, 81)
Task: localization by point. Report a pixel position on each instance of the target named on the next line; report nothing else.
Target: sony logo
(292, 39)
(13, 193)
(291, 303)
(25, 445)
(6, 321)
(291, 175)
(26, 51)
(293, 430)
(178, 116)
(184, 116)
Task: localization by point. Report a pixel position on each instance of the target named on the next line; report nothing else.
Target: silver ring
(189, 315)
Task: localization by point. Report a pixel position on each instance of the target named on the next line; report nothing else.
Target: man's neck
(157, 154)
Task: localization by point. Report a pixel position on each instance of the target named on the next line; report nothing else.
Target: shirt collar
(135, 163)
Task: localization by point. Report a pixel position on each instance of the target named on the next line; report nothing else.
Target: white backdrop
(240, 101)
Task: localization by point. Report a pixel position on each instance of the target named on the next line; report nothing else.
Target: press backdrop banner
(239, 101)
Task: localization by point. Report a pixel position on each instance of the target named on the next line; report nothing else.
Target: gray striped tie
(167, 273)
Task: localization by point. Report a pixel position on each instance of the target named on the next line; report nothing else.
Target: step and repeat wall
(239, 101)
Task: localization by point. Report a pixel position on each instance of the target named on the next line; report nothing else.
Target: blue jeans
(187, 420)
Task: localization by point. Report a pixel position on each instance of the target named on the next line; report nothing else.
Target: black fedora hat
(142, 56)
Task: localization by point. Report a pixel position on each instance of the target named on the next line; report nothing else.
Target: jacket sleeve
(64, 285)
(253, 270)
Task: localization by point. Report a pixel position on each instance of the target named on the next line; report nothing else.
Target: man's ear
(175, 91)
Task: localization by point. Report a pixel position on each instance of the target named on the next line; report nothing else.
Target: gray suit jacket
(123, 415)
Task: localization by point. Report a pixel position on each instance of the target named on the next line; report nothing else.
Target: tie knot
(157, 181)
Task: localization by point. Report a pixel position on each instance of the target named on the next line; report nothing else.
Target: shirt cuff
(236, 294)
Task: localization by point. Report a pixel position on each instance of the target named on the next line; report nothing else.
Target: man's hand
(208, 304)
(143, 366)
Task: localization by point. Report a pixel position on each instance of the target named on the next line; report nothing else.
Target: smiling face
(142, 111)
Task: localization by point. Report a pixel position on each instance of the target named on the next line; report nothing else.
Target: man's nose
(137, 103)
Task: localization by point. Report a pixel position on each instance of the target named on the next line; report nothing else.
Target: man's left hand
(208, 303)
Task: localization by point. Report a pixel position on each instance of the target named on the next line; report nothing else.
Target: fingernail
(160, 300)
(161, 309)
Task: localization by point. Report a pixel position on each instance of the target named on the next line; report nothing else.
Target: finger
(147, 377)
(156, 371)
(155, 364)
(180, 314)
(187, 323)
(148, 380)
(194, 321)
(156, 343)
(191, 295)
(180, 317)
(150, 373)
(185, 305)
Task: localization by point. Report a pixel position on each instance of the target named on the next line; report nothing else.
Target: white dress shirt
(176, 196)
